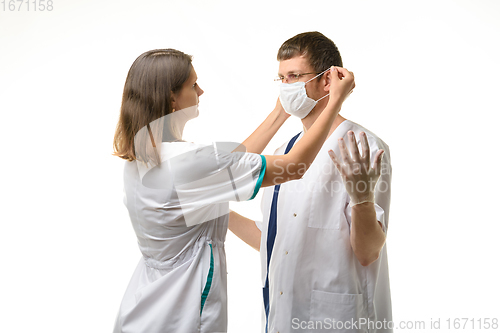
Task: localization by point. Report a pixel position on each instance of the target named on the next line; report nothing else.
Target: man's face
(300, 65)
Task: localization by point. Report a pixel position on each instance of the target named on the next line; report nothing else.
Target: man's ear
(327, 78)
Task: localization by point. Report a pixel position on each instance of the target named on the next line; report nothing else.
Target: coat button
(294, 214)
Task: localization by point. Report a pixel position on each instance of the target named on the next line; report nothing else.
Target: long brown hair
(151, 81)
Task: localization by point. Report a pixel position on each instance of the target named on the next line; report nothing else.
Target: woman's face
(189, 93)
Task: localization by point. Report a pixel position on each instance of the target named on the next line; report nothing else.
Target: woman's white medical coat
(179, 212)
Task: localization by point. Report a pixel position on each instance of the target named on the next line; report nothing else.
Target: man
(322, 241)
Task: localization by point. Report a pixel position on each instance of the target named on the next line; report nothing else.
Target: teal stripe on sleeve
(208, 284)
(261, 177)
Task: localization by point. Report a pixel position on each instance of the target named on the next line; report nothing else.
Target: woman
(177, 192)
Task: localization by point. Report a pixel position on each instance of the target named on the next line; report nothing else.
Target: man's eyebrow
(291, 72)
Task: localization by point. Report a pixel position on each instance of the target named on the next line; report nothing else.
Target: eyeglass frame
(297, 77)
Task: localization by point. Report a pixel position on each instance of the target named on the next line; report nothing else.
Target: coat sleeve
(208, 176)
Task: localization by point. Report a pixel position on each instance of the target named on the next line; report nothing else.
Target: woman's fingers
(344, 73)
(341, 83)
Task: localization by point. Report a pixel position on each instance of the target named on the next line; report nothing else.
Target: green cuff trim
(261, 177)
(208, 284)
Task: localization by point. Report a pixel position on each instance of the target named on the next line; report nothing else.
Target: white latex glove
(359, 178)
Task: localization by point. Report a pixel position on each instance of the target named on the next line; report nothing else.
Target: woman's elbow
(366, 260)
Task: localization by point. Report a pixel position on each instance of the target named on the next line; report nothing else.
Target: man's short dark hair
(320, 50)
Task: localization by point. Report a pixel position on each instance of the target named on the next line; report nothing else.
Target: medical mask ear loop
(313, 79)
(322, 97)
(323, 72)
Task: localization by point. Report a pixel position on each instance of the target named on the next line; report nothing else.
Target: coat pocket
(325, 207)
(341, 312)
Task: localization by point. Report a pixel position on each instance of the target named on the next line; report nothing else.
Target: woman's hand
(279, 108)
(259, 139)
(341, 84)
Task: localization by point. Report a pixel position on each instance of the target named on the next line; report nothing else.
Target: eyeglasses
(292, 78)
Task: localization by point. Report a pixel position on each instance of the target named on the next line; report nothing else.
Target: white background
(427, 76)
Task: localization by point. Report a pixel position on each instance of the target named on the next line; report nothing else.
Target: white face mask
(294, 99)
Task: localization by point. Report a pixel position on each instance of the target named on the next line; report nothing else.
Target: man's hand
(359, 178)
